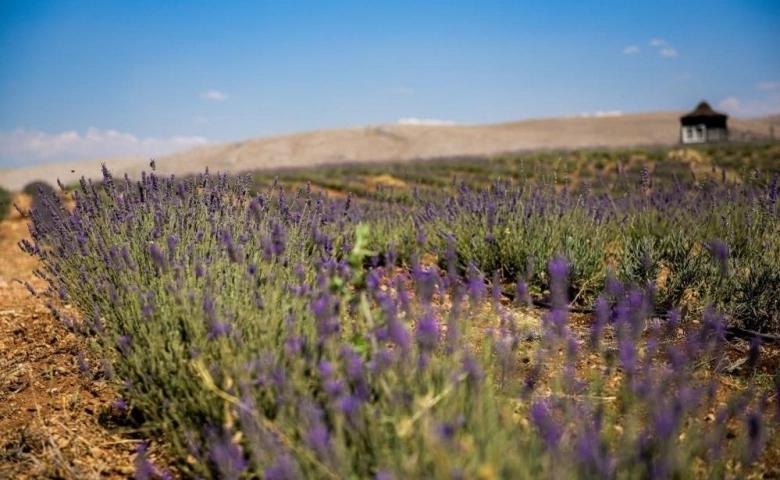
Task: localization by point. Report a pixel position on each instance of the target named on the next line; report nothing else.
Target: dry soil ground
(54, 418)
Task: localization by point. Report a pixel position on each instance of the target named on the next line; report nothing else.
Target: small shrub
(5, 203)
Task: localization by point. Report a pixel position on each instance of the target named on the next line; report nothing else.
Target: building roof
(704, 110)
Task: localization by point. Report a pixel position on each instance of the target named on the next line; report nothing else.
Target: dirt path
(49, 409)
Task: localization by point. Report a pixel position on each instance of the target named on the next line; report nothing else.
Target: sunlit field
(581, 314)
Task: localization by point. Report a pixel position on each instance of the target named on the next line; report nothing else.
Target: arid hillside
(394, 142)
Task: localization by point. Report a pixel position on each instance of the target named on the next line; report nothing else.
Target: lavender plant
(506, 229)
(261, 337)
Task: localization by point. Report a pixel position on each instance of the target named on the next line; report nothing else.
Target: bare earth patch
(49, 409)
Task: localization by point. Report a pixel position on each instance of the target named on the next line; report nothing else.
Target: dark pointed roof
(704, 110)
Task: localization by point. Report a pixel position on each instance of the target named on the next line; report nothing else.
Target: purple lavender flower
(349, 406)
(559, 278)
(549, 429)
(473, 370)
(144, 469)
(278, 239)
(522, 297)
(559, 269)
(333, 387)
(319, 440)
(173, 241)
(593, 455)
(755, 434)
(283, 469)
(720, 251)
(673, 319)
(124, 345)
(30, 288)
(476, 283)
(396, 331)
(325, 310)
(644, 178)
(667, 419)
(628, 359)
(613, 286)
(447, 430)
(158, 257)
(381, 362)
(236, 253)
(83, 366)
(354, 366)
(601, 318)
(427, 332)
(325, 368)
(218, 329)
(224, 455)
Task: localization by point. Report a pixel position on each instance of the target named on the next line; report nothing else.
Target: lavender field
(536, 325)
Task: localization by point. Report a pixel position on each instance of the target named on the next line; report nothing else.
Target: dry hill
(392, 142)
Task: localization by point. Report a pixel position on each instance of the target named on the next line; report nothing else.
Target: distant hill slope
(392, 142)
(770, 119)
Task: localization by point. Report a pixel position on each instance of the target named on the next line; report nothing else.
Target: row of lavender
(716, 243)
(272, 336)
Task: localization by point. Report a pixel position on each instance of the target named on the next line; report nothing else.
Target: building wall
(717, 135)
(701, 134)
(693, 134)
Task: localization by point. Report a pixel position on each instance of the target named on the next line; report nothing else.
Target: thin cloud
(214, 95)
(425, 121)
(631, 49)
(668, 52)
(400, 91)
(751, 107)
(730, 104)
(665, 49)
(768, 86)
(602, 113)
(20, 147)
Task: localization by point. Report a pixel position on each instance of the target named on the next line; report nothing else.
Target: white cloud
(424, 121)
(19, 147)
(668, 52)
(751, 107)
(631, 49)
(730, 104)
(215, 95)
(665, 49)
(602, 113)
(768, 86)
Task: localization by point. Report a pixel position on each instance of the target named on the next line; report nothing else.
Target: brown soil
(52, 415)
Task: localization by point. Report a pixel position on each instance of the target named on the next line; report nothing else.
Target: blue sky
(112, 78)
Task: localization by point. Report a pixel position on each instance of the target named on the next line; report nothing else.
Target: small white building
(704, 125)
